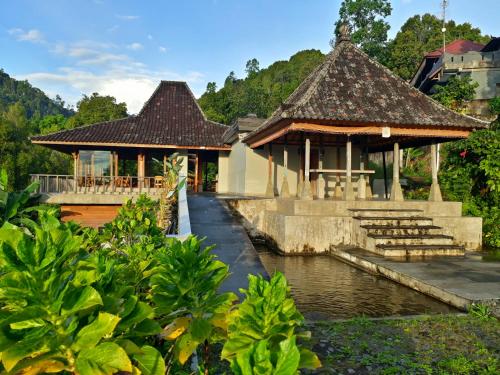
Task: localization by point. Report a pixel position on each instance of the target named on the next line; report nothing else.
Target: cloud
(125, 17)
(162, 49)
(131, 86)
(33, 35)
(135, 46)
(150, 37)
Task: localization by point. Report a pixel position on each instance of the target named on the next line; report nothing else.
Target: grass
(432, 345)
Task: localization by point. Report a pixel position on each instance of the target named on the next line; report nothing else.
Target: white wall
(247, 169)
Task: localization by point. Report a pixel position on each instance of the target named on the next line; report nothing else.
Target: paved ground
(469, 278)
(210, 218)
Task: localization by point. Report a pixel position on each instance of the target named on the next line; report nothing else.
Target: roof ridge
(413, 88)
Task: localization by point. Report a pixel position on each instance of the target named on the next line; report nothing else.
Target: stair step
(373, 212)
(402, 229)
(425, 239)
(419, 250)
(394, 221)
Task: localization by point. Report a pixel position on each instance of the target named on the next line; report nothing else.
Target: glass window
(94, 163)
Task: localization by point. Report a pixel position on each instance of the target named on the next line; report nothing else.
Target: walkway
(210, 218)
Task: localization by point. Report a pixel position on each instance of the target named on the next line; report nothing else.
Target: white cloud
(162, 49)
(135, 46)
(150, 37)
(33, 35)
(125, 17)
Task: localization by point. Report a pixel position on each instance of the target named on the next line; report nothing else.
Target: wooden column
(116, 169)
(366, 158)
(321, 180)
(396, 192)
(306, 190)
(338, 187)
(270, 184)
(348, 189)
(285, 190)
(75, 171)
(300, 182)
(141, 170)
(435, 193)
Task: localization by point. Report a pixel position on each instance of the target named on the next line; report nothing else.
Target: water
(326, 288)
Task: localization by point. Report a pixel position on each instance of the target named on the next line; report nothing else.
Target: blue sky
(124, 47)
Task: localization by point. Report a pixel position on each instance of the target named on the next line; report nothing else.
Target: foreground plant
(262, 331)
(185, 292)
(53, 317)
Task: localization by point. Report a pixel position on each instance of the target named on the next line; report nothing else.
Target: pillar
(362, 180)
(269, 187)
(164, 164)
(321, 180)
(338, 187)
(369, 194)
(306, 190)
(435, 193)
(75, 171)
(300, 184)
(396, 192)
(196, 172)
(141, 171)
(348, 189)
(115, 161)
(285, 190)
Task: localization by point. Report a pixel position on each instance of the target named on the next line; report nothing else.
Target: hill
(262, 91)
(34, 101)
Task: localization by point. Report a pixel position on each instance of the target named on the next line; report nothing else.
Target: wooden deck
(89, 215)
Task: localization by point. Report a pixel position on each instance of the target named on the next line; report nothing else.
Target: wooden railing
(54, 184)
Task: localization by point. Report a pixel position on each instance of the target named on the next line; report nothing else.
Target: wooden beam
(131, 145)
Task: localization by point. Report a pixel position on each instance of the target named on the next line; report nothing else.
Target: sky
(124, 48)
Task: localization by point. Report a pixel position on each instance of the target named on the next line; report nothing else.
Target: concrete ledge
(449, 288)
(87, 198)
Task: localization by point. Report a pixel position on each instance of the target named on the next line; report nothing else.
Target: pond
(326, 288)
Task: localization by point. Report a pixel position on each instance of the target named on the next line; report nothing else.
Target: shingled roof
(350, 88)
(171, 117)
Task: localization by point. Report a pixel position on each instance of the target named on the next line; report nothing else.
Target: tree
(456, 92)
(366, 20)
(252, 67)
(420, 35)
(96, 108)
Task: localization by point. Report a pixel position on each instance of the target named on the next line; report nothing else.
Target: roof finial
(344, 33)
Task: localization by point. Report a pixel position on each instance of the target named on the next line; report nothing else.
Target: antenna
(444, 5)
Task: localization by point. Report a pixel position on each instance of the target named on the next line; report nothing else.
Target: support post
(435, 193)
(196, 172)
(338, 186)
(396, 192)
(369, 194)
(348, 190)
(384, 164)
(362, 180)
(321, 180)
(300, 184)
(140, 170)
(75, 171)
(285, 190)
(270, 187)
(164, 164)
(306, 190)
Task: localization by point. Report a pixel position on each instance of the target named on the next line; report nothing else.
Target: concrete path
(211, 218)
(458, 281)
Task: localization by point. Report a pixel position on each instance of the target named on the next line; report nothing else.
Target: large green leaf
(105, 359)
(81, 300)
(288, 358)
(90, 335)
(150, 361)
(308, 359)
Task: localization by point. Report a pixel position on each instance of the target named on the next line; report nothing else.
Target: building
(308, 159)
(463, 58)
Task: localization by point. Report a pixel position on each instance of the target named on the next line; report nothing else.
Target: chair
(158, 182)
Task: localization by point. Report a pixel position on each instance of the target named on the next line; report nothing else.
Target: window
(94, 163)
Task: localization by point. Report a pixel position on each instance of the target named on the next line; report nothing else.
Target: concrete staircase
(401, 233)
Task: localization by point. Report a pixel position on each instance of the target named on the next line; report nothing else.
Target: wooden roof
(171, 118)
(350, 89)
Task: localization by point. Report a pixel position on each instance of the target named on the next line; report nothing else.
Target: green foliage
(35, 102)
(262, 331)
(456, 92)
(262, 91)
(96, 108)
(184, 290)
(421, 34)
(366, 20)
(481, 311)
(469, 174)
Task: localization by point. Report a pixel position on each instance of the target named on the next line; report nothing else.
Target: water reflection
(325, 288)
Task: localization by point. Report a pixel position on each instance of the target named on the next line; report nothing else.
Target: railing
(57, 184)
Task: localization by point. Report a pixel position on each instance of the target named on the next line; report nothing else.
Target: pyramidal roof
(349, 87)
(171, 117)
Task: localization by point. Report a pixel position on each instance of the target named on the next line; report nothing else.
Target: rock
(351, 371)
